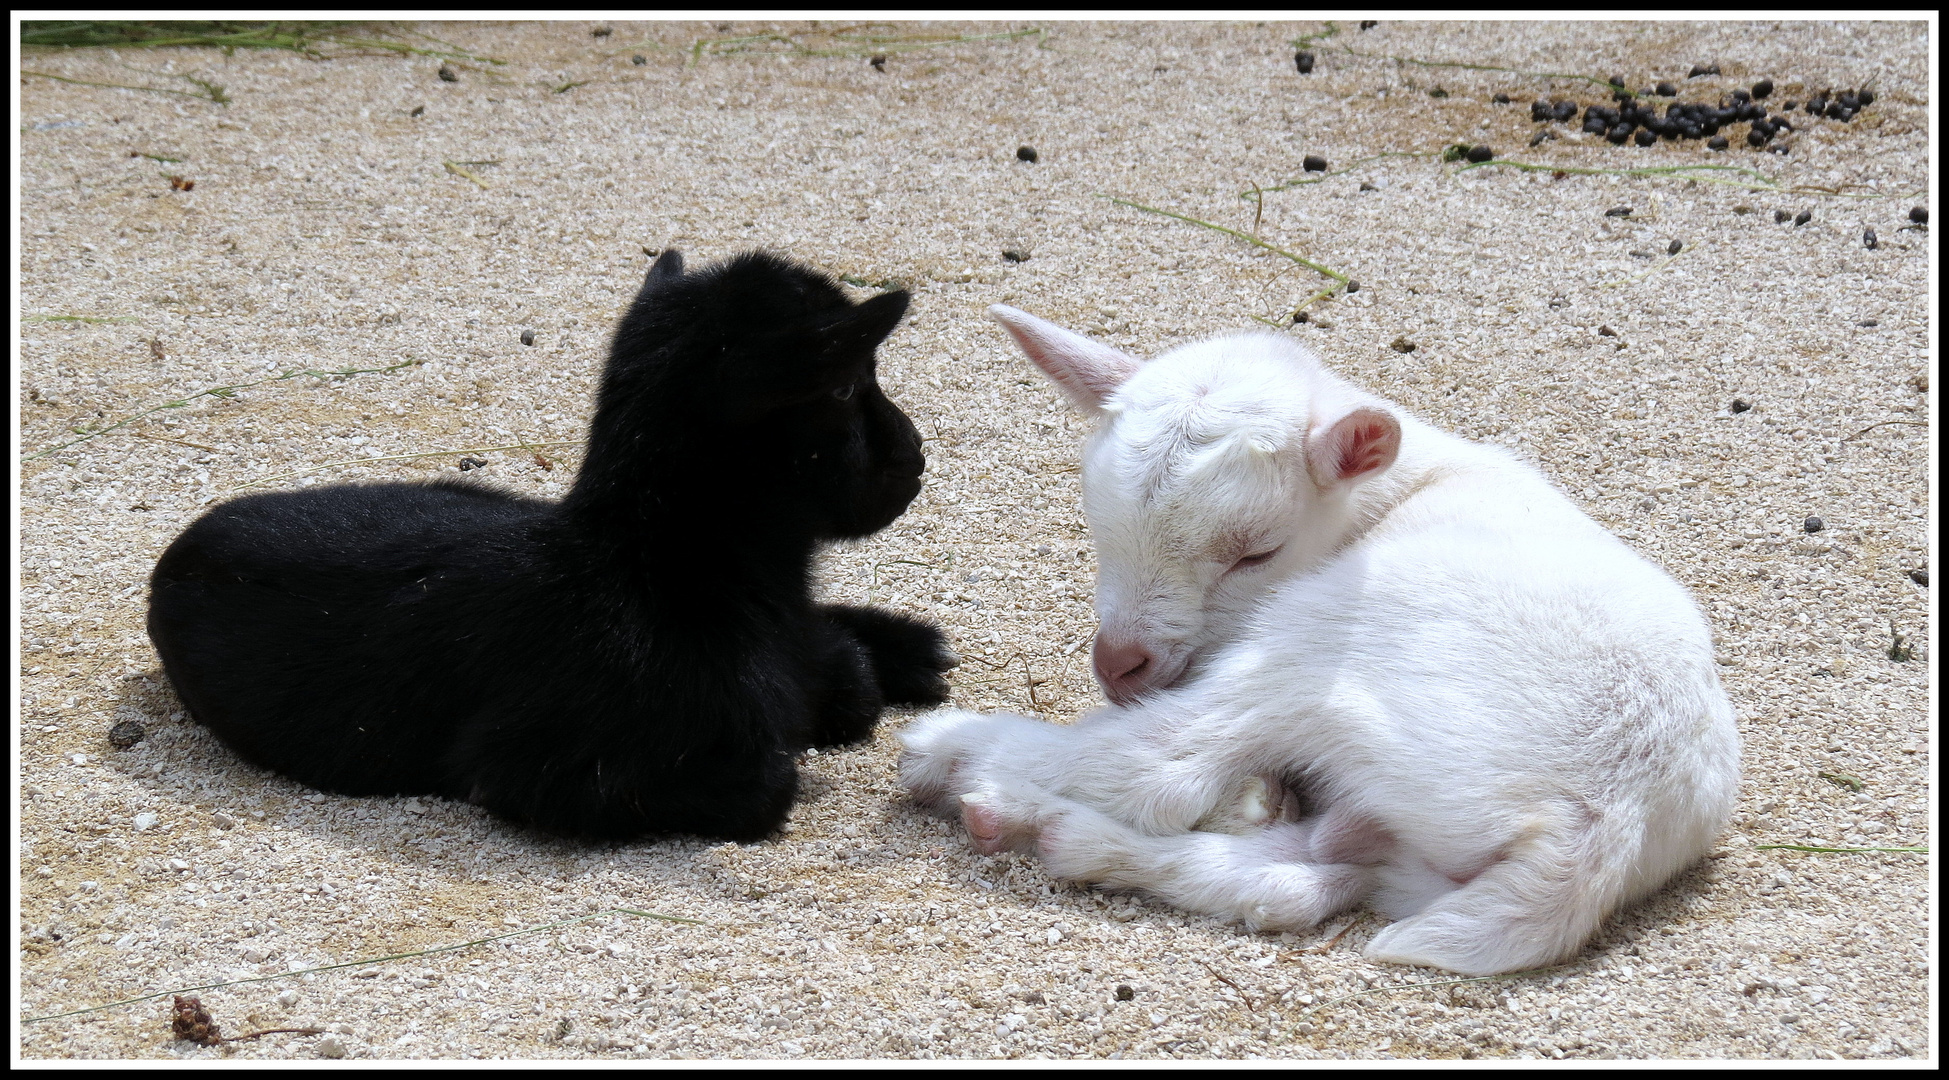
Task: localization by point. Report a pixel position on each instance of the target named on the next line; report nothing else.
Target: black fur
(641, 657)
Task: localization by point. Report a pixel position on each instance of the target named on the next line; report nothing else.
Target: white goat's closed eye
(1250, 561)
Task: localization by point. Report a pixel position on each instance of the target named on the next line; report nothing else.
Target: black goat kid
(643, 656)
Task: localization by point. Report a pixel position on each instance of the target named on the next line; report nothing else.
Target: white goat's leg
(1534, 906)
(1139, 764)
(1255, 879)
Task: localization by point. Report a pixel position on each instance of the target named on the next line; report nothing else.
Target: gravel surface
(326, 230)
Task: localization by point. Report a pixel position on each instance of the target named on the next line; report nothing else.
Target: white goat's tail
(1538, 905)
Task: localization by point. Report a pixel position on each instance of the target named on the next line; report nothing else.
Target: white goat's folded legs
(1258, 878)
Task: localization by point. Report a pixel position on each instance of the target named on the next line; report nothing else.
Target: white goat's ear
(1087, 371)
(1358, 444)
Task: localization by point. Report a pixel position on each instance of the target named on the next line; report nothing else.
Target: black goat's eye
(845, 392)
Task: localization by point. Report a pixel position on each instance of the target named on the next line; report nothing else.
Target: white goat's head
(1215, 470)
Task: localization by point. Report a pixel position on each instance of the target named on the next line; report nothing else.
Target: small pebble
(1780, 216)
(1353, 287)
(1740, 405)
(223, 821)
(331, 1047)
(1500, 99)
(1742, 208)
(1675, 247)
(1014, 256)
(1918, 215)
(1480, 154)
(1762, 88)
(1315, 163)
(639, 59)
(1605, 331)
(1802, 218)
(601, 31)
(1402, 345)
(878, 61)
(1438, 92)
(1920, 577)
(1868, 322)
(1618, 211)
(1125, 993)
(469, 464)
(1813, 525)
(1665, 89)
(1300, 317)
(447, 75)
(1366, 186)
(125, 734)
(1369, 24)
(527, 337)
(1702, 69)
(1869, 239)
(1026, 153)
(1718, 142)
(418, 110)
(1303, 60)
(145, 821)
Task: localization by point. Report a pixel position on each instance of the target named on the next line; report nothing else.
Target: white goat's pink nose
(1124, 667)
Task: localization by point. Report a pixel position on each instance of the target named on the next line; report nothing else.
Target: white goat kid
(1354, 658)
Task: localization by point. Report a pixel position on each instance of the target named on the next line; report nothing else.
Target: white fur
(1507, 722)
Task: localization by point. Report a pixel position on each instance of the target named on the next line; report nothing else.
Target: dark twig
(1216, 974)
(1884, 423)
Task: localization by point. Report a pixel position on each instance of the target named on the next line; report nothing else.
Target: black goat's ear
(668, 267)
(860, 328)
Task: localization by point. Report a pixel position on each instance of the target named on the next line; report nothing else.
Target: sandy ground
(325, 231)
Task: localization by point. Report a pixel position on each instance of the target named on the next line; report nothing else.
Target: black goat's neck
(680, 515)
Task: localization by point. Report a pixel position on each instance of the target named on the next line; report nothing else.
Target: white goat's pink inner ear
(1363, 441)
(1087, 371)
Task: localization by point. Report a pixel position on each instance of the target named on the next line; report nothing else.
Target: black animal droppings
(1564, 110)
(1802, 218)
(1869, 322)
(1402, 345)
(1595, 125)
(1869, 240)
(639, 59)
(1605, 331)
(1762, 88)
(1303, 60)
(1665, 89)
(447, 75)
(1835, 111)
(1314, 163)
(1500, 99)
(1741, 96)
(1647, 137)
(1675, 247)
(1365, 186)
(1920, 577)
(1353, 287)
(1014, 256)
(1702, 69)
(1124, 992)
(601, 31)
(1756, 138)
(1438, 92)
(1740, 405)
(527, 337)
(1918, 215)
(1618, 134)
(1300, 317)
(1618, 211)
(1718, 142)
(1849, 101)
(469, 464)
(1617, 81)
(1026, 153)
(878, 61)
(1813, 525)
(1480, 154)
(126, 734)
(418, 110)
(1369, 24)
(1866, 97)
(1539, 111)
(1790, 106)
(1541, 134)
